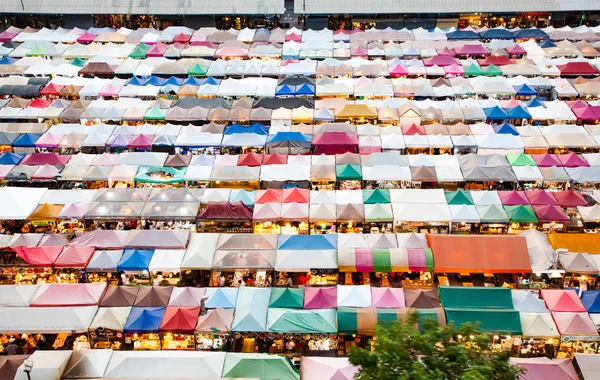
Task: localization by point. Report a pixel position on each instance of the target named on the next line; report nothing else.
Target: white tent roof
(524, 301)
(386, 172)
(51, 320)
(47, 365)
(165, 364)
(112, 318)
(142, 158)
(87, 364)
(354, 295)
(538, 325)
(19, 202)
(343, 197)
(166, 260)
(528, 173)
(449, 174)
(17, 295)
(417, 196)
(305, 260)
(541, 253)
(413, 212)
(62, 197)
(287, 172)
(200, 251)
(485, 198)
(464, 213)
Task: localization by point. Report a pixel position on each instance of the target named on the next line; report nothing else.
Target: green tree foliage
(401, 351)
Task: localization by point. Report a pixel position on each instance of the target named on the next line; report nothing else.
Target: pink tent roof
(141, 141)
(296, 195)
(540, 197)
(446, 51)
(515, 49)
(48, 140)
(388, 297)
(46, 172)
(110, 90)
(545, 368)
(441, 60)
(69, 294)
(399, 70)
(182, 37)
(574, 323)
(269, 196)
(413, 129)
(74, 257)
(570, 198)
(585, 113)
(513, 198)
(546, 160)
(86, 38)
(102, 239)
(562, 300)
(5, 169)
(293, 37)
(187, 296)
(358, 51)
(231, 51)
(572, 160)
(327, 368)
(7, 36)
(46, 159)
(454, 70)
(267, 211)
(157, 50)
(105, 159)
(577, 104)
(335, 143)
(294, 211)
(39, 256)
(550, 213)
(73, 210)
(320, 298)
(472, 49)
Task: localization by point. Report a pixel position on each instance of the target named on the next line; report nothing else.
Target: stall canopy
(251, 310)
(479, 254)
(87, 364)
(287, 298)
(477, 297)
(301, 253)
(320, 298)
(153, 296)
(259, 366)
(588, 365)
(180, 319)
(385, 259)
(327, 368)
(46, 320)
(225, 298)
(104, 261)
(68, 295)
(302, 321)
(576, 242)
(562, 300)
(574, 323)
(545, 368)
(46, 365)
(499, 321)
(119, 296)
(144, 319)
(216, 321)
(421, 298)
(538, 325)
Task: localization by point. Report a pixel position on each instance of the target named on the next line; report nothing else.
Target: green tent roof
(36, 51)
(350, 322)
(459, 197)
(492, 71)
(287, 297)
(348, 172)
(140, 51)
(155, 113)
(492, 214)
(198, 70)
(150, 174)
(376, 196)
(302, 321)
(520, 159)
(473, 70)
(78, 62)
(492, 321)
(476, 297)
(261, 366)
(521, 214)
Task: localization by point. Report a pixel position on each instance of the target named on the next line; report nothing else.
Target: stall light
(496, 337)
(471, 337)
(460, 337)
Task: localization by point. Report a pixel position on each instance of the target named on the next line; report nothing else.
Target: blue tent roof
(591, 301)
(174, 81)
(517, 112)
(505, 129)
(221, 297)
(7, 61)
(546, 44)
(251, 309)
(135, 259)
(137, 81)
(534, 103)
(144, 319)
(305, 89)
(155, 81)
(497, 34)
(192, 81)
(524, 89)
(244, 196)
(256, 128)
(531, 33)
(307, 242)
(464, 35)
(11, 158)
(289, 136)
(26, 140)
(285, 90)
(211, 81)
(495, 113)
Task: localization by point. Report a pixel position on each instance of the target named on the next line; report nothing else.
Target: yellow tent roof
(46, 211)
(356, 110)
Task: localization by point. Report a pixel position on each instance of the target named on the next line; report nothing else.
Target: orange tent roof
(479, 254)
(589, 243)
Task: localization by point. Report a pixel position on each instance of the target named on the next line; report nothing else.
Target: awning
(490, 320)
(302, 321)
(384, 260)
(576, 242)
(363, 320)
(45, 320)
(476, 297)
(301, 253)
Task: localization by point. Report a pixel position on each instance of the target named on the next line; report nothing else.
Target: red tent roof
(570, 198)
(86, 38)
(69, 294)
(226, 211)
(399, 70)
(269, 196)
(541, 197)
(182, 37)
(296, 195)
(413, 129)
(53, 159)
(515, 49)
(40, 103)
(498, 60)
(250, 159)
(513, 198)
(562, 300)
(472, 49)
(51, 89)
(441, 60)
(180, 319)
(572, 160)
(335, 143)
(39, 256)
(550, 213)
(546, 160)
(577, 68)
(275, 159)
(74, 257)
